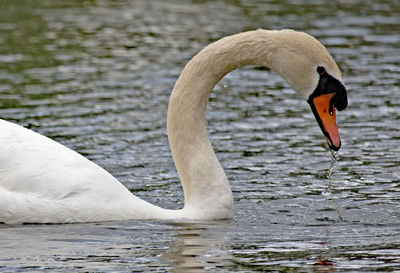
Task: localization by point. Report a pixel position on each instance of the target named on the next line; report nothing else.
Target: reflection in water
(199, 247)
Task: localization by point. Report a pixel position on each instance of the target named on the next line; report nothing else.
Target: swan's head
(311, 71)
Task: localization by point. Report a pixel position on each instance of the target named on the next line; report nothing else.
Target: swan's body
(42, 181)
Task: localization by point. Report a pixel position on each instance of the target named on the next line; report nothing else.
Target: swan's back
(39, 176)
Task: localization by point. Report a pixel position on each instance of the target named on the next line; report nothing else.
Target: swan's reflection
(199, 247)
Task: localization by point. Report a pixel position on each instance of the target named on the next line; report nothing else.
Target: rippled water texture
(96, 76)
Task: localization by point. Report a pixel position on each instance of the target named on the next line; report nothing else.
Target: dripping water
(334, 158)
(329, 192)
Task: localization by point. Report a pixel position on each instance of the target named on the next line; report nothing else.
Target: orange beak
(325, 113)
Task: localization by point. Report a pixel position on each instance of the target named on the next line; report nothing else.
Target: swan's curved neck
(204, 182)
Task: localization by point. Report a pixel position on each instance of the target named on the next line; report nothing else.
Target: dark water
(96, 76)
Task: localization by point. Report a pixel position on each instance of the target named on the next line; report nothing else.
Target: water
(96, 76)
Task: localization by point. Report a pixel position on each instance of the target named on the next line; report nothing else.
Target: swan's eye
(321, 70)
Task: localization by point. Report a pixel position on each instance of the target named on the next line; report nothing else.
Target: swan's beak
(324, 111)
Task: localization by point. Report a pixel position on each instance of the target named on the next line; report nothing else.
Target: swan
(42, 181)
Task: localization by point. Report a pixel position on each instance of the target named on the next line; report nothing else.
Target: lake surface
(96, 76)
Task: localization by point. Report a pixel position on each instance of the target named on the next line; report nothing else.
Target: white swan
(42, 181)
